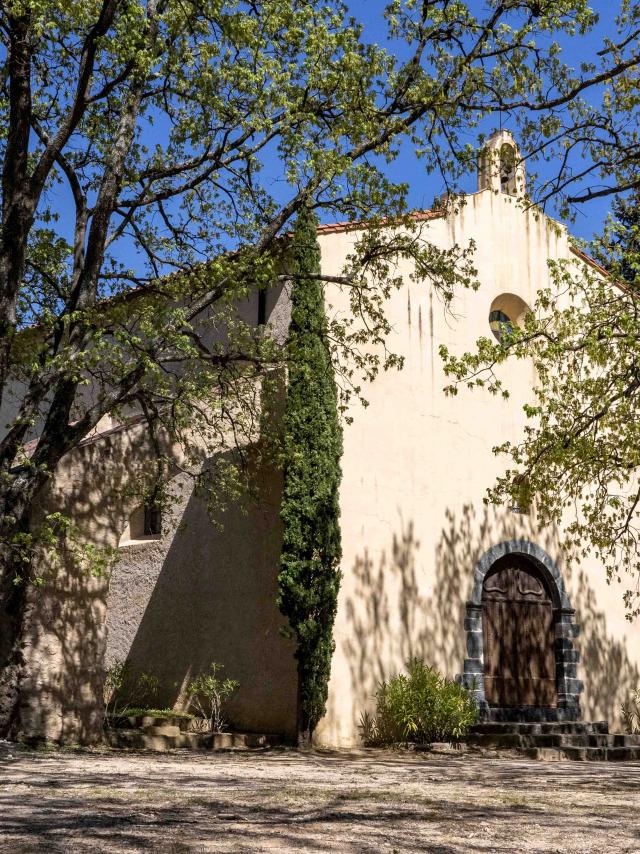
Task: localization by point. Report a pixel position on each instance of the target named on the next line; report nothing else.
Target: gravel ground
(284, 800)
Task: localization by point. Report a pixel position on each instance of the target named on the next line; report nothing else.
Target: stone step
(236, 740)
(530, 714)
(602, 754)
(579, 741)
(623, 754)
(183, 722)
(552, 740)
(546, 728)
(600, 740)
(166, 729)
(151, 738)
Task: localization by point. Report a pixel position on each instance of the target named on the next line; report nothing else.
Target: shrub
(631, 713)
(124, 688)
(419, 707)
(208, 693)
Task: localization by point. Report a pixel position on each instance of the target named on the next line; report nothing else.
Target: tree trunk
(15, 578)
(303, 725)
(13, 606)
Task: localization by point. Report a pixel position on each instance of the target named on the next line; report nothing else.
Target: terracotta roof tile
(336, 227)
(588, 260)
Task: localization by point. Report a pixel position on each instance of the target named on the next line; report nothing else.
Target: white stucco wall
(416, 466)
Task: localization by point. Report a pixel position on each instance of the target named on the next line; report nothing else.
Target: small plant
(125, 688)
(142, 711)
(420, 707)
(207, 694)
(630, 712)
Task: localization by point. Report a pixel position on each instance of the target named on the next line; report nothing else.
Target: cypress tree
(309, 577)
(627, 213)
(620, 249)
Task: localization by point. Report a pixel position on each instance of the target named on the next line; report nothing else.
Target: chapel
(429, 569)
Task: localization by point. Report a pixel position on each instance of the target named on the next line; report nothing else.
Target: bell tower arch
(500, 165)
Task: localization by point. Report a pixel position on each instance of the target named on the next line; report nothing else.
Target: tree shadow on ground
(312, 802)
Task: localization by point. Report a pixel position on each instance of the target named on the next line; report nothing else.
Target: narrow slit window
(508, 170)
(262, 307)
(152, 519)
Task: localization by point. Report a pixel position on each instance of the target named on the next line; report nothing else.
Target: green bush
(419, 707)
(125, 688)
(207, 695)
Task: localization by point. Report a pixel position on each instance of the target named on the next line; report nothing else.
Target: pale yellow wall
(415, 469)
(416, 465)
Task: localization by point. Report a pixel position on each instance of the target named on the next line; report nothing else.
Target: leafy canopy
(143, 138)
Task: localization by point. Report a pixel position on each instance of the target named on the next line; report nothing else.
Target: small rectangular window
(262, 307)
(152, 520)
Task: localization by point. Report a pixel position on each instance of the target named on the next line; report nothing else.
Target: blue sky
(423, 187)
(589, 216)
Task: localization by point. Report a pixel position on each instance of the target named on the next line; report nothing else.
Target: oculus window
(506, 312)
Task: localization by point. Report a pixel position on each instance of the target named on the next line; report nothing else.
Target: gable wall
(415, 468)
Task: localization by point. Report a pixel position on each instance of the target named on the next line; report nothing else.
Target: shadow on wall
(65, 639)
(400, 607)
(213, 598)
(61, 697)
(385, 615)
(610, 676)
(64, 642)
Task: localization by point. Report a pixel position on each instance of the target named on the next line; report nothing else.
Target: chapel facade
(428, 569)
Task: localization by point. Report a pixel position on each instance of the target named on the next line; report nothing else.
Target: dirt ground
(283, 800)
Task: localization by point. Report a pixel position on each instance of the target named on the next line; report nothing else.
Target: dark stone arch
(536, 555)
(568, 685)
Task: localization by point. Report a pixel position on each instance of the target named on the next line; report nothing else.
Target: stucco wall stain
(432, 343)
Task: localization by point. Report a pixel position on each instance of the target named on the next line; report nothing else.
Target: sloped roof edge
(588, 260)
(354, 225)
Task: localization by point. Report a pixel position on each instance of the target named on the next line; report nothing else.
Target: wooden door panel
(518, 630)
(493, 652)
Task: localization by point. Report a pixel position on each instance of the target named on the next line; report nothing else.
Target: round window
(506, 312)
(500, 324)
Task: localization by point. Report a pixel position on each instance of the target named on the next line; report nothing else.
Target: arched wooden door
(518, 629)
